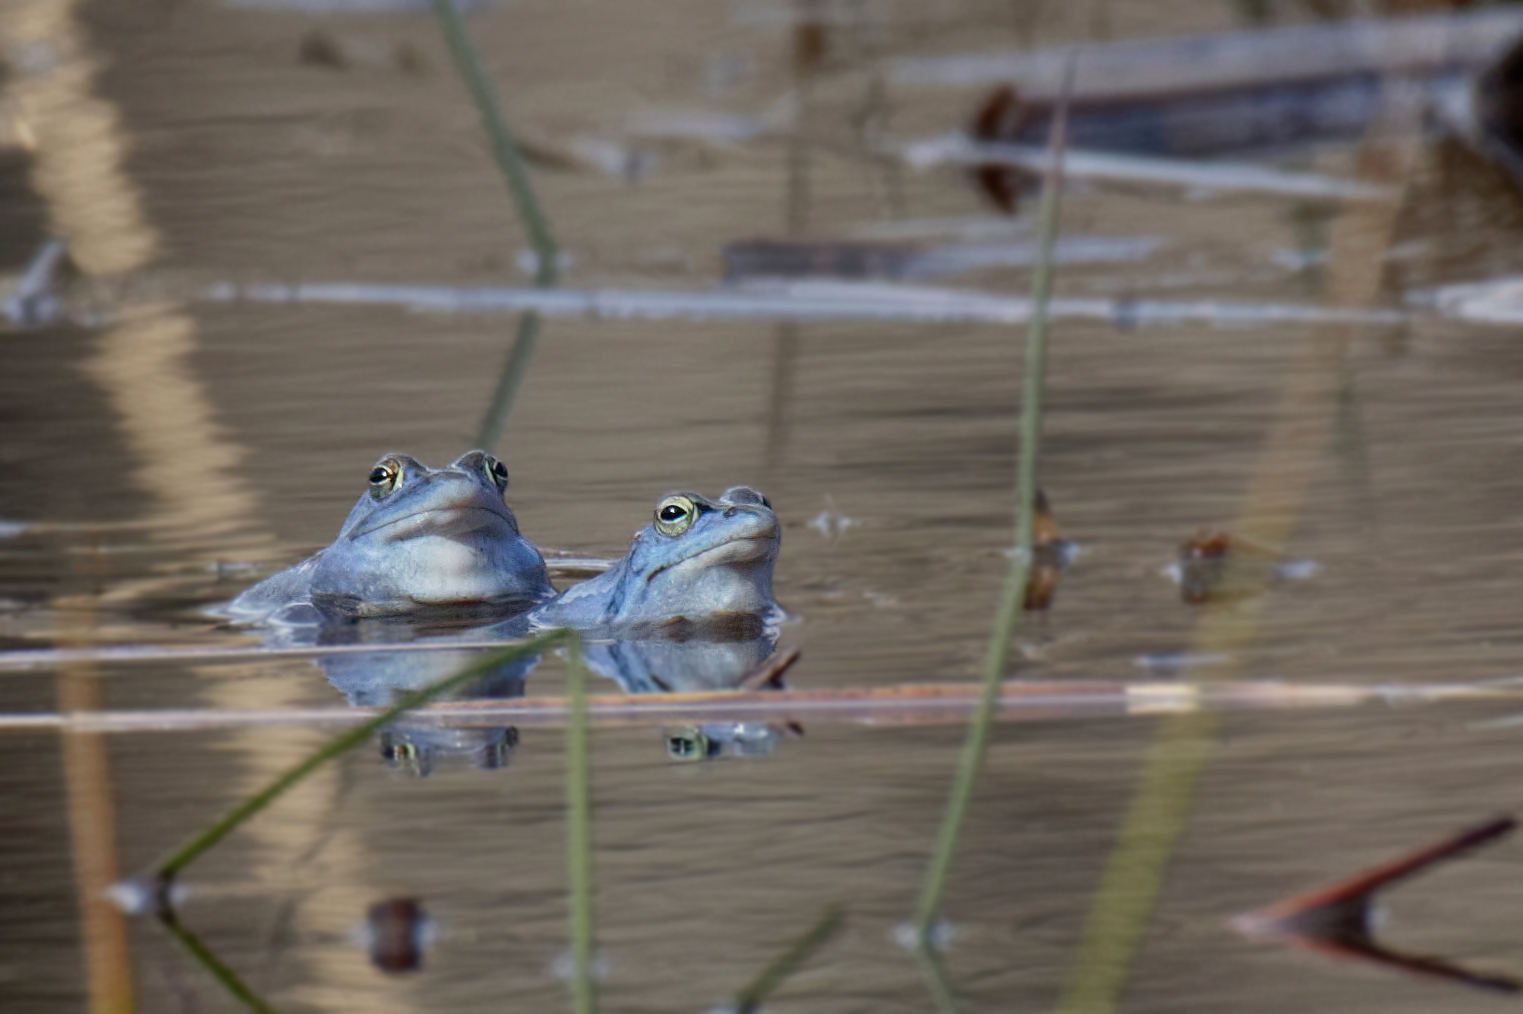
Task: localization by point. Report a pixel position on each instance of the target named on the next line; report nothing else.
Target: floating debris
(939, 937)
(1239, 94)
(1338, 920)
(908, 704)
(801, 301)
(1426, 46)
(1172, 663)
(528, 261)
(328, 51)
(1051, 555)
(396, 933)
(1214, 566)
(703, 125)
(618, 161)
(34, 301)
(764, 258)
(830, 522)
(140, 896)
(1499, 301)
(1088, 164)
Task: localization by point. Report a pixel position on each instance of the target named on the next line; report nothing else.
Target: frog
(418, 540)
(698, 566)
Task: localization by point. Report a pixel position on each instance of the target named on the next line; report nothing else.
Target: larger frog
(699, 564)
(419, 539)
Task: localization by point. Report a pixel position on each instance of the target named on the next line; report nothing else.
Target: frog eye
(384, 477)
(675, 515)
(687, 744)
(495, 471)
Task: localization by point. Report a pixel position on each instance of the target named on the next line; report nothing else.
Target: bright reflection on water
(164, 459)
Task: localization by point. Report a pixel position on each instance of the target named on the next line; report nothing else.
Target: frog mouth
(741, 549)
(444, 521)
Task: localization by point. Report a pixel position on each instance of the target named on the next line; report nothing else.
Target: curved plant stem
(1007, 621)
(203, 840)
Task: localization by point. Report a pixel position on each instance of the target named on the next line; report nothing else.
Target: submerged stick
(802, 301)
(203, 840)
(1007, 621)
(1114, 167)
(755, 992)
(579, 834)
(906, 704)
(515, 172)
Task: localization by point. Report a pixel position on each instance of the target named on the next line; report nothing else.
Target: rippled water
(160, 455)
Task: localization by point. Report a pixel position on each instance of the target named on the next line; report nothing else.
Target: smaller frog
(699, 564)
(418, 539)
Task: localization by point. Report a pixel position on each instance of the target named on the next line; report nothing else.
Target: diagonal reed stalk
(1007, 621)
(206, 838)
(755, 992)
(510, 161)
(207, 959)
(584, 998)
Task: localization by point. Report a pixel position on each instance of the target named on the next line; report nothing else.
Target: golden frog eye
(675, 515)
(687, 744)
(496, 471)
(384, 477)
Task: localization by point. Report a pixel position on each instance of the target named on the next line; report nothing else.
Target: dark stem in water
(515, 173)
(1008, 619)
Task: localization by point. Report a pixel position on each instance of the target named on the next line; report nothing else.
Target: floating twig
(959, 149)
(907, 704)
(802, 301)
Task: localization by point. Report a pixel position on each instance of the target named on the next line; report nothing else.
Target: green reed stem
(750, 998)
(510, 161)
(1008, 619)
(579, 834)
(510, 380)
(210, 836)
(208, 959)
(935, 975)
(505, 150)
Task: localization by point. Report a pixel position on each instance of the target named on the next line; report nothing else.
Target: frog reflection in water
(699, 564)
(419, 539)
(690, 607)
(412, 744)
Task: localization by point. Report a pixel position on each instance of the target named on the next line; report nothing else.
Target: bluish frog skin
(699, 563)
(419, 539)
